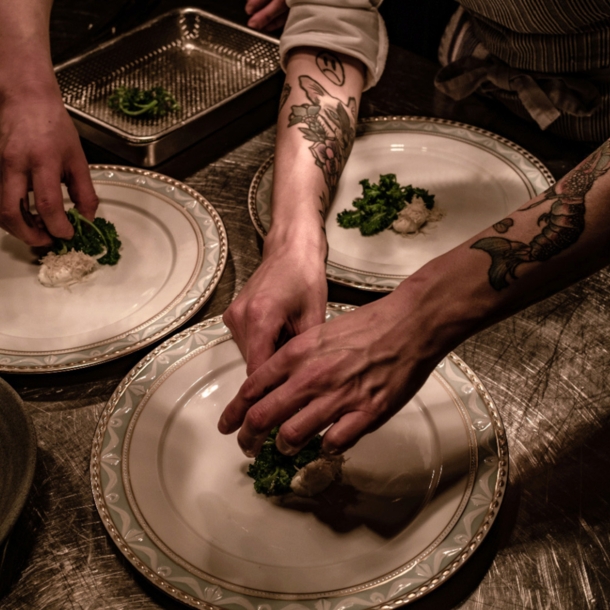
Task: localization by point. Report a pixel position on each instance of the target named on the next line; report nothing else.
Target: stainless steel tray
(215, 69)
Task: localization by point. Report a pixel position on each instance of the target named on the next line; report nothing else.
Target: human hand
(351, 373)
(266, 15)
(285, 296)
(39, 149)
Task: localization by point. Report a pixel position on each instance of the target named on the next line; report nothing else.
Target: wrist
(452, 302)
(302, 239)
(36, 81)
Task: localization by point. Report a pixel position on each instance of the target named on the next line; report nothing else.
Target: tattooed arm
(316, 127)
(39, 146)
(354, 372)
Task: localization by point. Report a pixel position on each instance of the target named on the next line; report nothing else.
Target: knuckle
(249, 389)
(256, 308)
(291, 434)
(39, 157)
(11, 159)
(48, 203)
(89, 201)
(231, 316)
(257, 420)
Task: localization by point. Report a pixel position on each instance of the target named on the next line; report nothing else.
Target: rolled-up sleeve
(353, 27)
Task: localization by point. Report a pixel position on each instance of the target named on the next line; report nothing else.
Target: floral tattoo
(563, 223)
(329, 125)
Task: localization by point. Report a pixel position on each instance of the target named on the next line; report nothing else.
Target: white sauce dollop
(414, 216)
(62, 270)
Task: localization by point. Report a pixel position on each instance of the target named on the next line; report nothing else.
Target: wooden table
(547, 368)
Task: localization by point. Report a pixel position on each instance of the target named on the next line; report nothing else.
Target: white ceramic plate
(417, 496)
(174, 249)
(476, 176)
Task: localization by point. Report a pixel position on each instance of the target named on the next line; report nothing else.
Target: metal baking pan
(216, 70)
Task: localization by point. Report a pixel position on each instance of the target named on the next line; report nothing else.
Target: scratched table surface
(547, 368)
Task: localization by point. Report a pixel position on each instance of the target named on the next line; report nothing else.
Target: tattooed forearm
(286, 89)
(331, 66)
(331, 127)
(562, 225)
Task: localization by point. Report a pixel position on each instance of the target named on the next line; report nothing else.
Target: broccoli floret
(92, 238)
(143, 103)
(380, 204)
(272, 471)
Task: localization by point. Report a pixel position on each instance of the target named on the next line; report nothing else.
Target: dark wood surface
(547, 369)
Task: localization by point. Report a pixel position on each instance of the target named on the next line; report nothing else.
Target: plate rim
(333, 269)
(212, 594)
(43, 360)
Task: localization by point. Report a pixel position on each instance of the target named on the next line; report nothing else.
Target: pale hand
(285, 296)
(40, 149)
(352, 373)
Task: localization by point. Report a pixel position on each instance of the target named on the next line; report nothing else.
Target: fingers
(80, 187)
(15, 216)
(256, 388)
(273, 406)
(50, 201)
(266, 15)
(348, 430)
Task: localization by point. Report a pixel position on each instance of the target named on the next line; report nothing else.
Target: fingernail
(247, 451)
(284, 447)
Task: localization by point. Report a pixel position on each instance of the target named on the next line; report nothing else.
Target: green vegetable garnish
(380, 204)
(143, 103)
(272, 471)
(92, 238)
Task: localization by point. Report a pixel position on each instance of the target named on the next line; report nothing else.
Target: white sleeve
(353, 27)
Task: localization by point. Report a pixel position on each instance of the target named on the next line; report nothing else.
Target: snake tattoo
(562, 224)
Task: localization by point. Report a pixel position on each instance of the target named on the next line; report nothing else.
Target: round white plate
(174, 249)
(476, 176)
(417, 496)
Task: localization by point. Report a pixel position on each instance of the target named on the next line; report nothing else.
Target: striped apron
(546, 60)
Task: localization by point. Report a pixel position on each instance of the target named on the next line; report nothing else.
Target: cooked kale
(92, 238)
(143, 103)
(272, 471)
(380, 204)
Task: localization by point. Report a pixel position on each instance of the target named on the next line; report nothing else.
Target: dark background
(92, 21)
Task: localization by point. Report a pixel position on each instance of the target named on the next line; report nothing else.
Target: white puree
(63, 270)
(414, 216)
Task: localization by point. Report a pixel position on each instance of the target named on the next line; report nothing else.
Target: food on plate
(95, 238)
(316, 476)
(307, 473)
(143, 103)
(405, 209)
(414, 216)
(73, 260)
(61, 270)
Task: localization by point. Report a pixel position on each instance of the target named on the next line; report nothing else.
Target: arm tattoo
(329, 125)
(562, 224)
(331, 66)
(286, 89)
